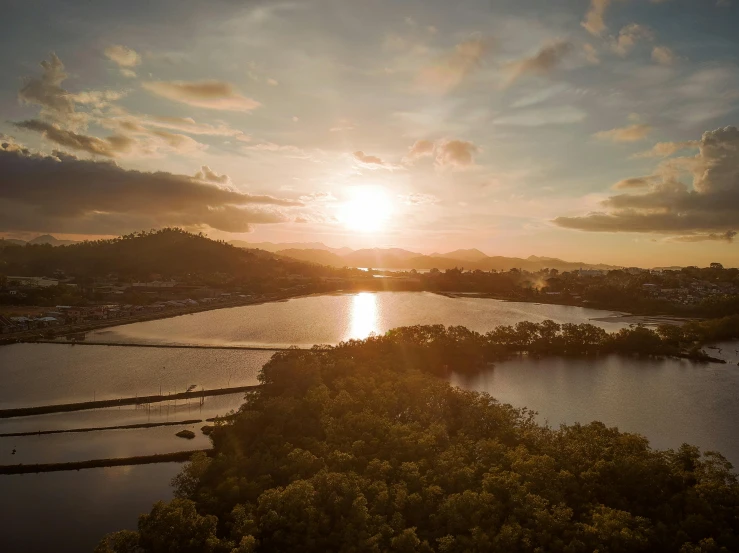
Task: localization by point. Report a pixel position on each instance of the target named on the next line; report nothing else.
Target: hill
(276, 247)
(390, 258)
(169, 253)
(397, 258)
(321, 257)
(463, 255)
(43, 239)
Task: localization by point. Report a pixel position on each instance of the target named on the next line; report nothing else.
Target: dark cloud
(65, 194)
(727, 236)
(708, 209)
(111, 146)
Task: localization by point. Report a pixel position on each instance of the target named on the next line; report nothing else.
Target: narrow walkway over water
(176, 457)
(137, 400)
(161, 346)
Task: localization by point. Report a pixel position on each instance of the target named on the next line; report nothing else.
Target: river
(670, 401)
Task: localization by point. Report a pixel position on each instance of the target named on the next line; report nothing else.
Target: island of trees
(361, 448)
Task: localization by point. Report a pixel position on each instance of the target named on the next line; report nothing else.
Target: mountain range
(43, 239)
(396, 258)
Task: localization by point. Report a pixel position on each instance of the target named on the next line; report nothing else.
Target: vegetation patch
(359, 448)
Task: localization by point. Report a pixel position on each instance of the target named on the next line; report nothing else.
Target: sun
(367, 210)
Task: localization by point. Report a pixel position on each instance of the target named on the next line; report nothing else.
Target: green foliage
(357, 448)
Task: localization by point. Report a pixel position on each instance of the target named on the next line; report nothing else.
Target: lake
(670, 401)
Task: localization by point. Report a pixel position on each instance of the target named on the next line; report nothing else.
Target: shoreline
(51, 334)
(39, 335)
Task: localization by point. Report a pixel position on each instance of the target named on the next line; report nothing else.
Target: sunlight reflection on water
(364, 317)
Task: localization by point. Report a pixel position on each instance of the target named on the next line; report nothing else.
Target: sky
(591, 130)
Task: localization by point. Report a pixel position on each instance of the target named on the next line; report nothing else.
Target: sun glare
(367, 210)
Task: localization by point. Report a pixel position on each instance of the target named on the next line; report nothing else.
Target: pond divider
(96, 428)
(176, 457)
(137, 400)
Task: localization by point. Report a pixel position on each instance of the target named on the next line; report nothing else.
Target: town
(74, 303)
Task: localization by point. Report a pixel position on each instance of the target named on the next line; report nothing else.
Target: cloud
(111, 146)
(666, 149)
(123, 56)
(368, 159)
(632, 133)
(727, 236)
(417, 198)
(708, 208)
(420, 148)
(663, 55)
(455, 154)
(178, 142)
(635, 182)
(448, 72)
(97, 98)
(190, 126)
(593, 22)
(57, 104)
(629, 36)
(65, 194)
(541, 63)
(205, 94)
(447, 154)
(208, 175)
(289, 149)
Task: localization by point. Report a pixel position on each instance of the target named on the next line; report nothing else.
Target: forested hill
(169, 252)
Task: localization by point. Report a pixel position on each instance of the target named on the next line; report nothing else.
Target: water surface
(669, 401)
(72, 511)
(329, 319)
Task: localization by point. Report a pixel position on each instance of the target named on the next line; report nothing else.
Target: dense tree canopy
(357, 448)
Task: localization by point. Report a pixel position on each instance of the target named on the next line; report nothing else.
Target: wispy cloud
(541, 63)
(632, 133)
(218, 95)
(449, 71)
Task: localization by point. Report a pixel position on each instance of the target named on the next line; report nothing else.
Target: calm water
(38, 374)
(669, 401)
(330, 319)
(71, 511)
